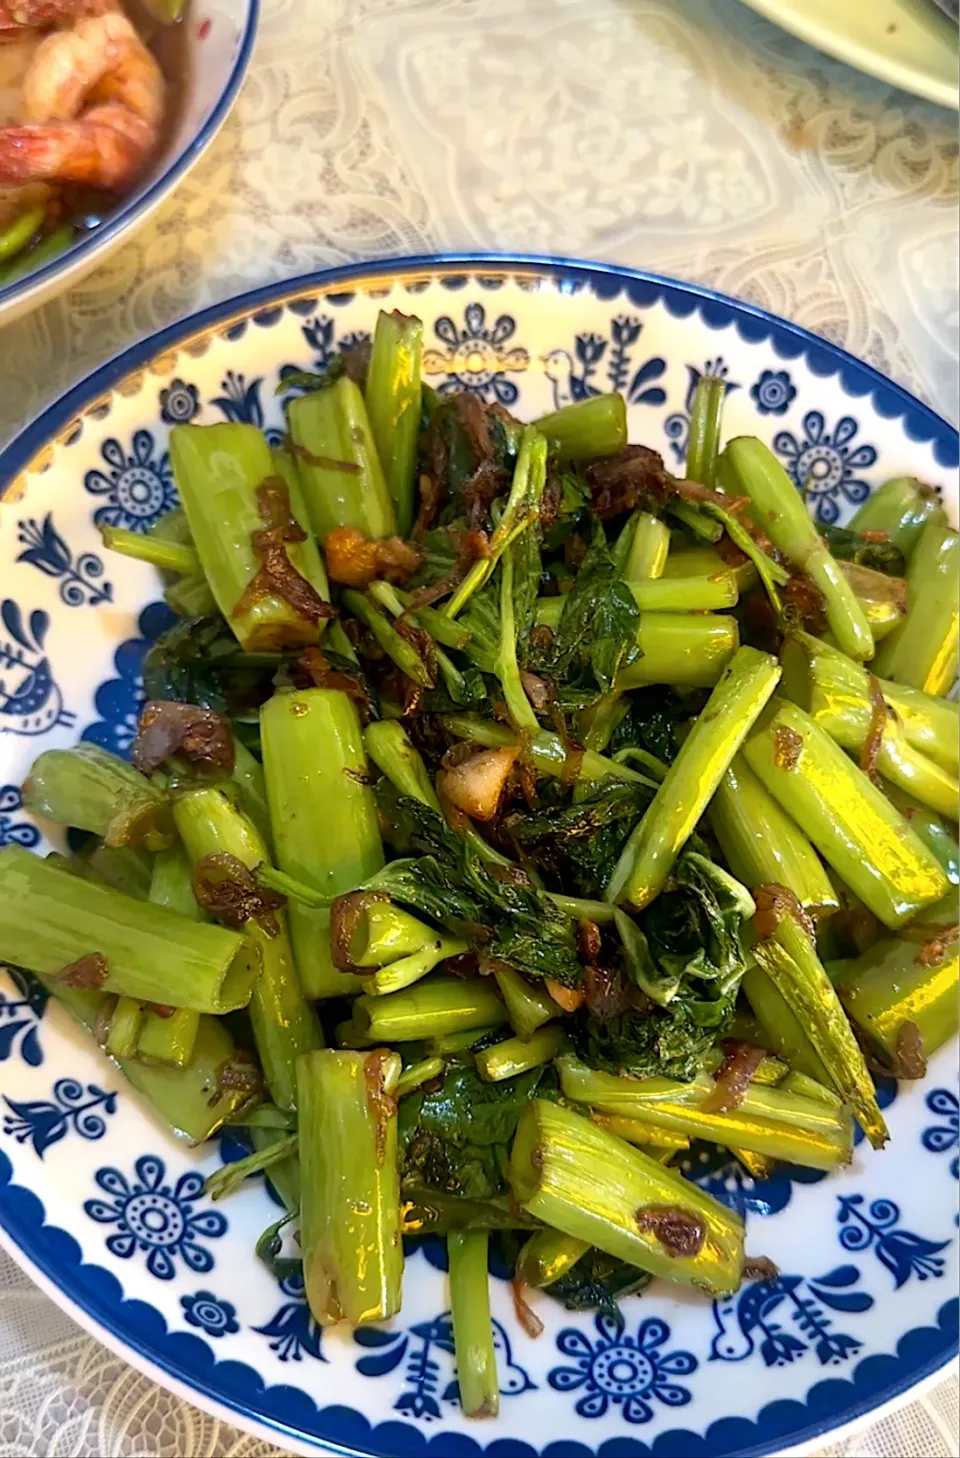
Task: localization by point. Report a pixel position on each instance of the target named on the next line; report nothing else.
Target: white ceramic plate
(219, 42)
(906, 42)
(107, 1209)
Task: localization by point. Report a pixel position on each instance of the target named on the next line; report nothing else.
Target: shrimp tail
(96, 151)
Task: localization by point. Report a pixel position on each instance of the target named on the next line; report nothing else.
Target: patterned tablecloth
(687, 136)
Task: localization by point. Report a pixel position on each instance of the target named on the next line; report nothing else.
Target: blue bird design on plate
(30, 698)
(572, 379)
(745, 1319)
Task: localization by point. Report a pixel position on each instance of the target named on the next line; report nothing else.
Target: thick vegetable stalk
(168, 1037)
(648, 548)
(685, 594)
(851, 823)
(51, 920)
(393, 397)
(94, 790)
(924, 651)
(350, 1186)
(685, 561)
(839, 696)
(897, 983)
(780, 1024)
(901, 508)
(324, 817)
(789, 958)
(405, 971)
(340, 471)
(527, 1006)
(429, 1009)
(417, 1074)
(931, 725)
(382, 932)
(121, 866)
(171, 884)
(587, 429)
(472, 1324)
(521, 510)
(548, 1255)
(780, 510)
(592, 1186)
(767, 1121)
(214, 1088)
(387, 744)
(762, 845)
(284, 1025)
(680, 649)
(934, 833)
(703, 441)
(517, 1055)
(218, 469)
(123, 1030)
(684, 794)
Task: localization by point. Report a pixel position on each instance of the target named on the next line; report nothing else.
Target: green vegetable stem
(754, 470)
(340, 471)
(284, 1025)
(51, 920)
(472, 1324)
(592, 1186)
(852, 824)
(923, 651)
(324, 818)
(393, 397)
(684, 794)
(587, 429)
(350, 1191)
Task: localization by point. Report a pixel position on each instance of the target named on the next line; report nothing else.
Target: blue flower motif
(903, 1253)
(217, 1318)
(622, 1369)
(46, 1121)
(179, 403)
(939, 1138)
(47, 551)
(152, 1217)
(139, 486)
(12, 833)
(747, 1316)
(774, 392)
(240, 401)
(475, 358)
(291, 1329)
(824, 464)
(119, 700)
(30, 697)
(19, 1016)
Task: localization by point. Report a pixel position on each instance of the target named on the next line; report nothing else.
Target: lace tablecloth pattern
(686, 136)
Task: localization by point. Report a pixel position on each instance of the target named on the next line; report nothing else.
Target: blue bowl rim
(168, 179)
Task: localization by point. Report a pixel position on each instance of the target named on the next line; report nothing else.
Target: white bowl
(219, 40)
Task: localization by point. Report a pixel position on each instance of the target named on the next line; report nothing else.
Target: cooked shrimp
(18, 15)
(100, 64)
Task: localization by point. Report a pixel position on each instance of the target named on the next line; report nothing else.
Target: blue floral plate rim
(790, 341)
(182, 1359)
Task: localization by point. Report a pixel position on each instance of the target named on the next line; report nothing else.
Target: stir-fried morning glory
(507, 812)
